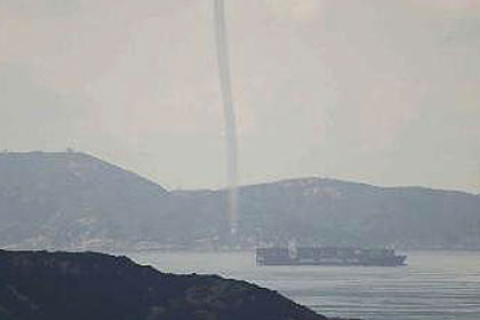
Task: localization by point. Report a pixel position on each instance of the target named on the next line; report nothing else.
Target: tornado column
(229, 112)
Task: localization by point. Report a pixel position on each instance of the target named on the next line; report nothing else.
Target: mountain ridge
(326, 179)
(75, 200)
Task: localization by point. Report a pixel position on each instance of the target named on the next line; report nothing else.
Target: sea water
(435, 285)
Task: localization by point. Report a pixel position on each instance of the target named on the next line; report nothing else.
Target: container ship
(332, 256)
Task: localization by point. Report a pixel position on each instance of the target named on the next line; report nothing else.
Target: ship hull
(329, 256)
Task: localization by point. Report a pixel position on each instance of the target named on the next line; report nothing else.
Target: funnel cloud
(229, 111)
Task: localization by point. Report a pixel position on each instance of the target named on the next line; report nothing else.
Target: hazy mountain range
(75, 201)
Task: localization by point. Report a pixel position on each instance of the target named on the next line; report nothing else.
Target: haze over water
(436, 285)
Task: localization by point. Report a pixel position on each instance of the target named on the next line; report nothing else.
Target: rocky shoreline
(76, 286)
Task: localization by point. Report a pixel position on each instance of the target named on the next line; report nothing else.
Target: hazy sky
(384, 92)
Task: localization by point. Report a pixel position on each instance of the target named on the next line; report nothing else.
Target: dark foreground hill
(73, 200)
(79, 286)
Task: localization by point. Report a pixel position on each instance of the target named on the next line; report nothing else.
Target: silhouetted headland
(78, 286)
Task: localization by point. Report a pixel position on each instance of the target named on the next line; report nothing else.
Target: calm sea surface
(434, 286)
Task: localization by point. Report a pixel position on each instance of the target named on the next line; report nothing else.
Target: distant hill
(317, 211)
(79, 286)
(73, 200)
(343, 213)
